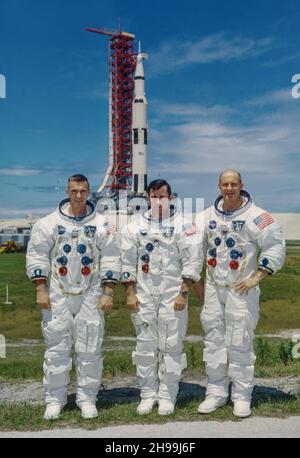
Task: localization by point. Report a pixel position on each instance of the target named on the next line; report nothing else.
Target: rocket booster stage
(139, 129)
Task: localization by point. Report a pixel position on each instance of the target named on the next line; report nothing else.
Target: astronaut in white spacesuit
(243, 244)
(161, 259)
(73, 260)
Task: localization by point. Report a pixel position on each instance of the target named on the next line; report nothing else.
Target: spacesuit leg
(145, 356)
(172, 328)
(57, 329)
(215, 350)
(89, 333)
(241, 319)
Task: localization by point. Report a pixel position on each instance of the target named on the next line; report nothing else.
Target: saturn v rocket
(139, 129)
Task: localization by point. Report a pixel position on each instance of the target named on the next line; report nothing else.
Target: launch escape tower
(122, 62)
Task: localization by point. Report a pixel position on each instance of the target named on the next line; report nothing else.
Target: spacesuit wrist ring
(184, 294)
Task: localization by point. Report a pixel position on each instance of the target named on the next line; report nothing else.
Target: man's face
(78, 192)
(230, 186)
(159, 201)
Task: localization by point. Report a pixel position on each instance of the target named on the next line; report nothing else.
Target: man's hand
(244, 286)
(180, 302)
(106, 302)
(131, 298)
(133, 303)
(42, 297)
(107, 298)
(199, 289)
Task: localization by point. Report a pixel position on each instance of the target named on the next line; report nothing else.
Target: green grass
(29, 417)
(280, 302)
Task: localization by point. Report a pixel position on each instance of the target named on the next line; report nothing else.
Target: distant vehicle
(10, 246)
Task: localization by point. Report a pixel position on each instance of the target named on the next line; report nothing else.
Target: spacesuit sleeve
(129, 254)
(191, 252)
(41, 242)
(110, 262)
(271, 242)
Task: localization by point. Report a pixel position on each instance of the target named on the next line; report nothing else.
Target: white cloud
(212, 146)
(19, 171)
(221, 47)
(185, 111)
(279, 96)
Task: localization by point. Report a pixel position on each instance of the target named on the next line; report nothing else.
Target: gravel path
(125, 388)
(251, 427)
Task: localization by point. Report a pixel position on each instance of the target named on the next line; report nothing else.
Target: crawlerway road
(251, 427)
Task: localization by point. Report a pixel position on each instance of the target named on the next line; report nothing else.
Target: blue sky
(218, 87)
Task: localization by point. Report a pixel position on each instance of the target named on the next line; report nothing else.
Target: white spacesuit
(157, 256)
(76, 255)
(237, 245)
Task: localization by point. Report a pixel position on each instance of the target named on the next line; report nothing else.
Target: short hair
(231, 171)
(157, 184)
(78, 178)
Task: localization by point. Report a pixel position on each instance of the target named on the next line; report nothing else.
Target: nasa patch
(237, 226)
(212, 225)
(168, 231)
(89, 231)
(61, 230)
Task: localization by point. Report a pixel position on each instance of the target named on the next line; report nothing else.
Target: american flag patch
(190, 230)
(264, 220)
(111, 229)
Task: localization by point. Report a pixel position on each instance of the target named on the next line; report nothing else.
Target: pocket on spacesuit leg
(57, 372)
(215, 355)
(171, 333)
(57, 335)
(237, 331)
(90, 373)
(143, 359)
(214, 328)
(89, 336)
(145, 331)
(175, 364)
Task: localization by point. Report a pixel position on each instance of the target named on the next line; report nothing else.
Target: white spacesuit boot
(210, 404)
(88, 410)
(53, 411)
(242, 409)
(165, 407)
(146, 406)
